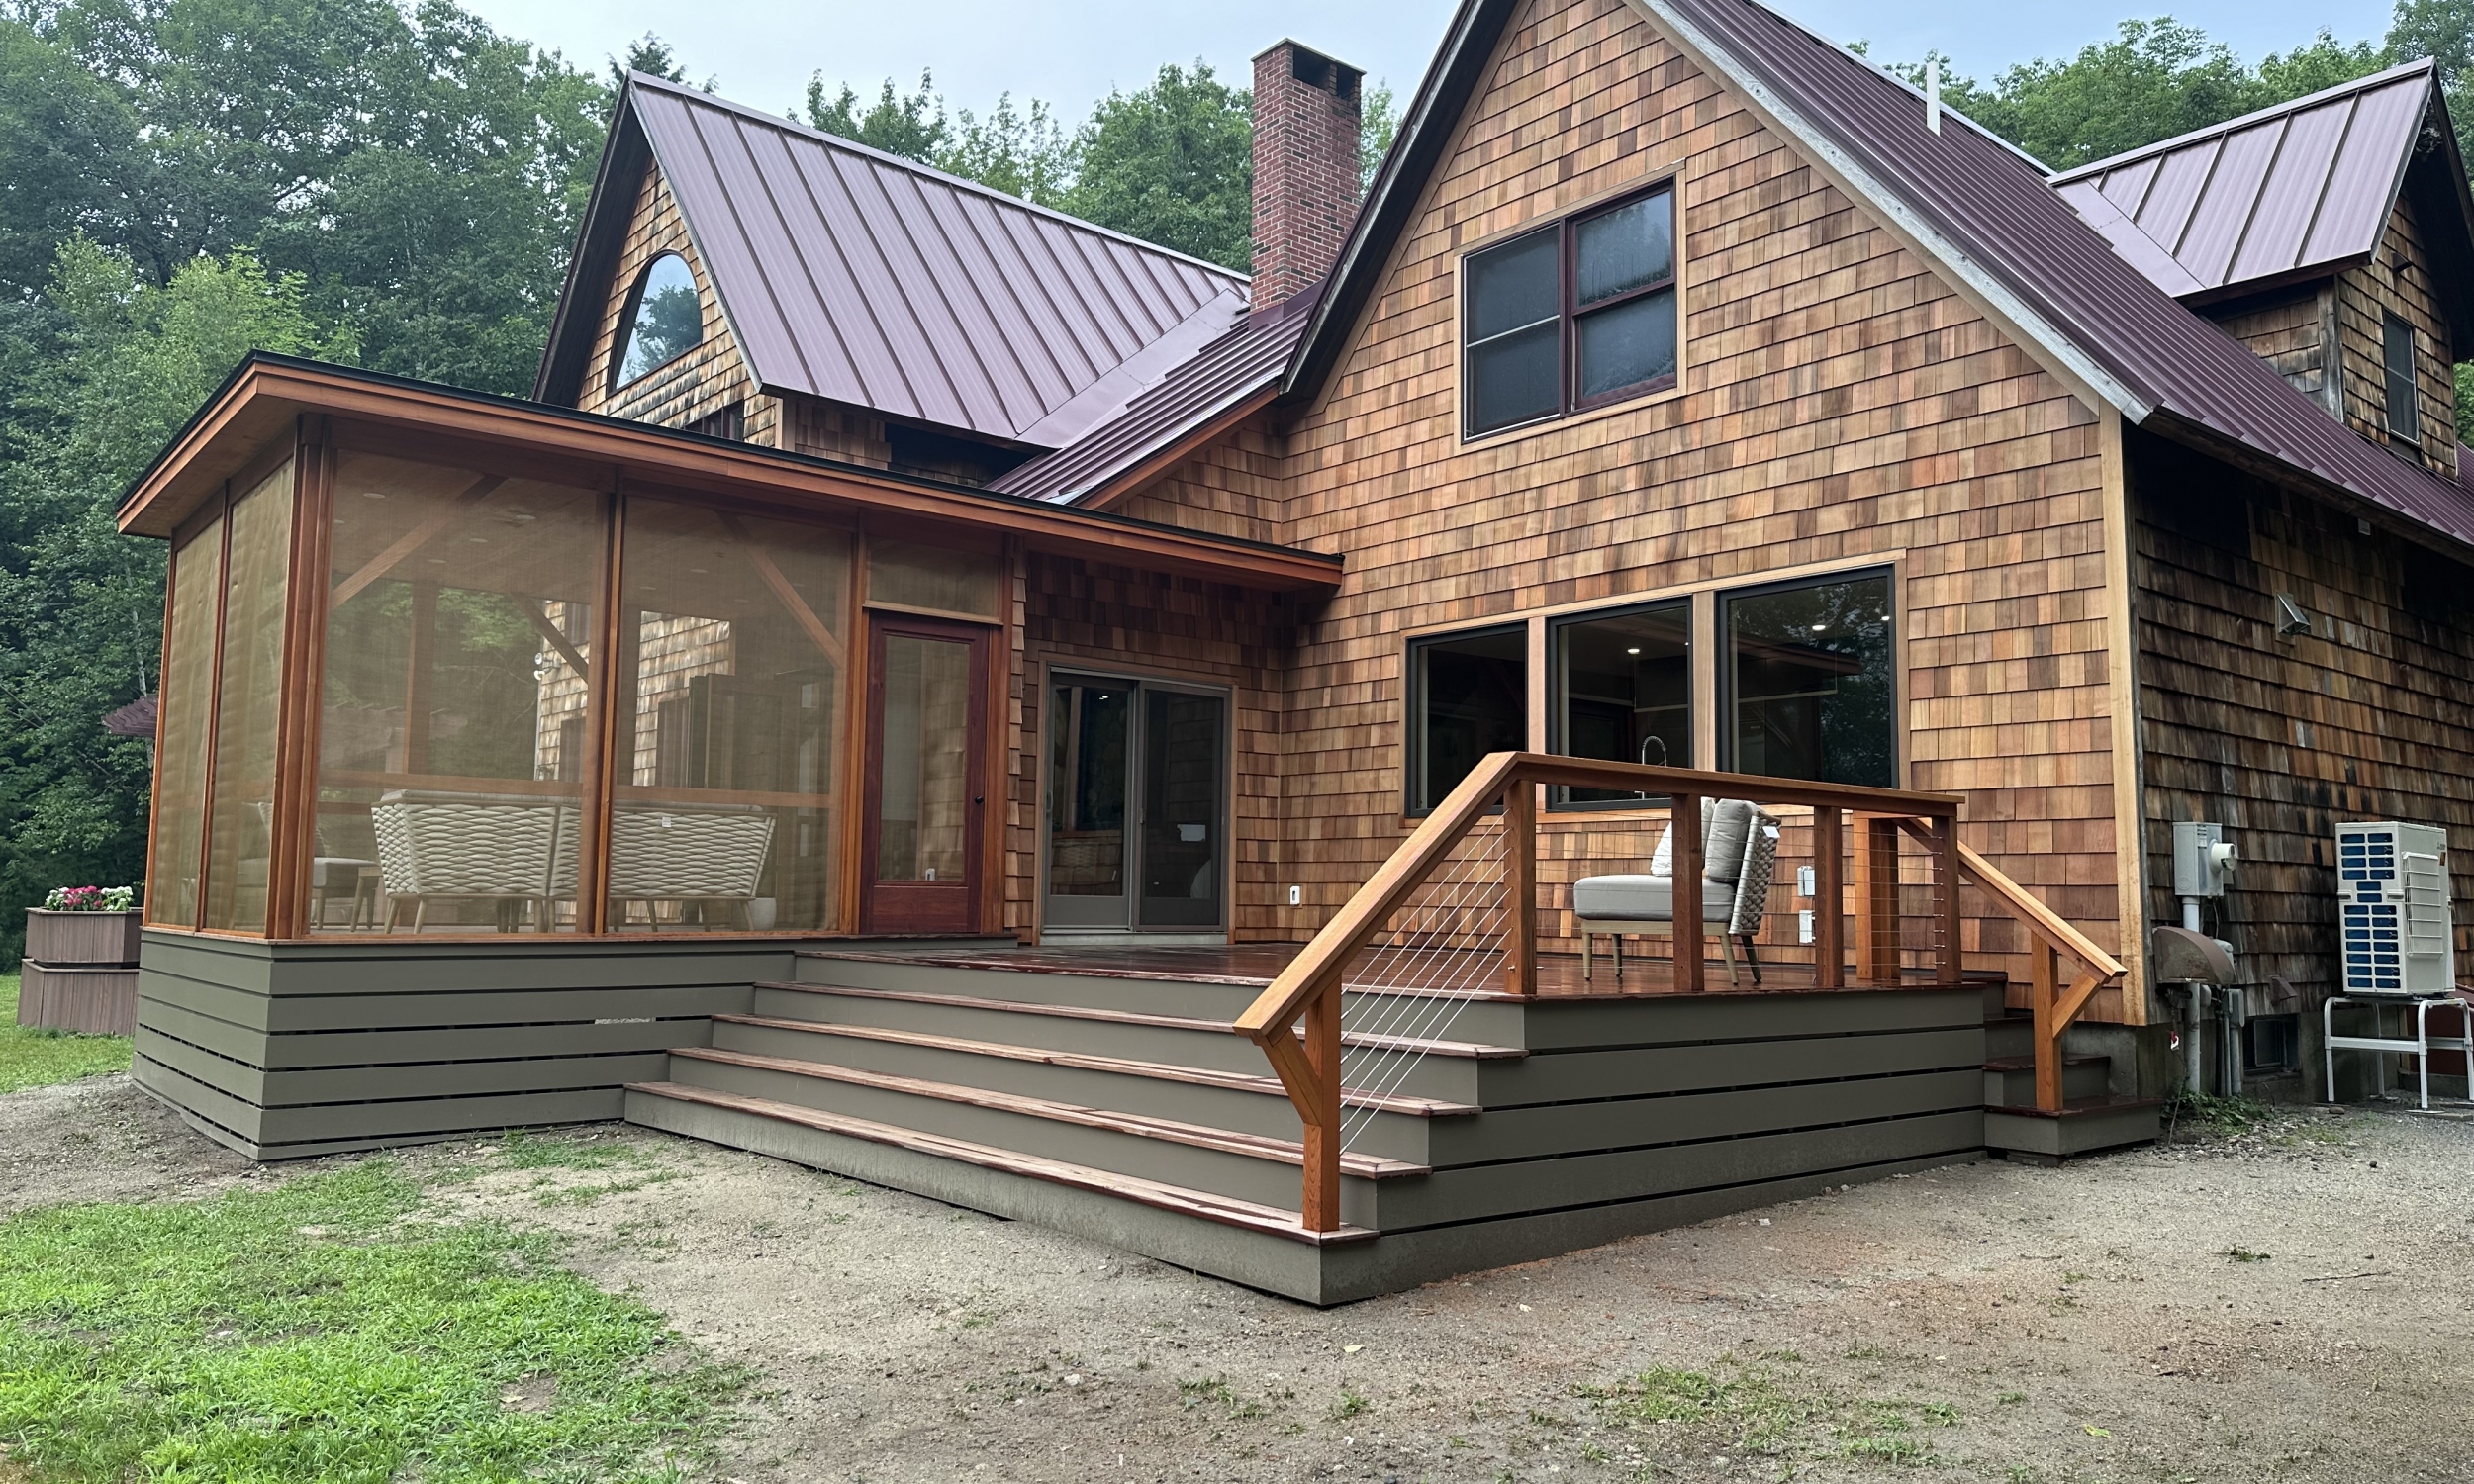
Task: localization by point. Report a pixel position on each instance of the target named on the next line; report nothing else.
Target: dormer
(743, 276)
(2333, 234)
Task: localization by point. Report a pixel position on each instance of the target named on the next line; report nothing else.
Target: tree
(1172, 163)
(81, 605)
(913, 125)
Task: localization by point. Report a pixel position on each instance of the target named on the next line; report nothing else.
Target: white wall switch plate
(1296, 896)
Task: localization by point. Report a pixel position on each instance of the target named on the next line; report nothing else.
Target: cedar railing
(1296, 1018)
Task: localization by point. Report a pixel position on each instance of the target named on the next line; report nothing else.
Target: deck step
(1249, 1215)
(2011, 1080)
(1460, 1049)
(2083, 1126)
(1225, 1141)
(1203, 1076)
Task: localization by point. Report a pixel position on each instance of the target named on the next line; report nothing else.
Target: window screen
(2397, 357)
(1468, 695)
(1516, 332)
(1811, 681)
(1623, 690)
(1624, 299)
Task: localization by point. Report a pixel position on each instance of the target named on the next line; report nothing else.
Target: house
(935, 690)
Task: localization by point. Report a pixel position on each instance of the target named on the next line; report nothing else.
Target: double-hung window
(2397, 361)
(1569, 317)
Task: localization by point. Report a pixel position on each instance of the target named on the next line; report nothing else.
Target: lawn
(32, 1058)
(337, 1328)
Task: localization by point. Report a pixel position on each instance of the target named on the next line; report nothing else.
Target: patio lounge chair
(1739, 854)
(713, 853)
(468, 847)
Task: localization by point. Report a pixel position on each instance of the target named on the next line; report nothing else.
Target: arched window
(664, 320)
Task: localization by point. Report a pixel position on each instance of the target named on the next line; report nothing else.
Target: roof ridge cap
(915, 167)
(2291, 105)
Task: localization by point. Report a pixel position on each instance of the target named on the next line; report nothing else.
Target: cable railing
(1451, 917)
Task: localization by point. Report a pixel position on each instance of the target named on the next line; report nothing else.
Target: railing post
(1876, 898)
(1946, 963)
(1322, 1132)
(1684, 859)
(2043, 988)
(1829, 900)
(1520, 884)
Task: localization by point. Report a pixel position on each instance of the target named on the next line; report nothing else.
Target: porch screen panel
(1812, 681)
(188, 705)
(249, 707)
(728, 787)
(945, 580)
(453, 731)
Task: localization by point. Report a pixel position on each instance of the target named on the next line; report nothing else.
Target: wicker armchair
(467, 847)
(1739, 855)
(713, 853)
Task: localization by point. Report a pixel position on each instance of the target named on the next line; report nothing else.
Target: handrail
(1308, 989)
(2052, 1007)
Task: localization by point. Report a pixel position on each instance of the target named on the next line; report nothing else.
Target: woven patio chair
(435, 847)
(1739, 855)
(713, 853)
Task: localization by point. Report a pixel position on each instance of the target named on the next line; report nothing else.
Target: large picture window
(1468, 695)
(1811, 685)
(1571, 316)
(1623, 690)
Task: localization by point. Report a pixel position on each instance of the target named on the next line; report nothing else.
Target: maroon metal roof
(869, 279)
(2299, 190)
(1241, 364)
(135, 719)
(2001, 222)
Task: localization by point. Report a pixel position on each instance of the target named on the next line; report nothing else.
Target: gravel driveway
(2289, 1303)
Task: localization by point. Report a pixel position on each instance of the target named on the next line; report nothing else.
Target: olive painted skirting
(288, 1050)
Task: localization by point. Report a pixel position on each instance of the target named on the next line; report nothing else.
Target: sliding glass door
(1137, 805)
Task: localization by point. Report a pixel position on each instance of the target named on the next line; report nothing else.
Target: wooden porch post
(1946, 963)
(1829, 900)
(1322, 1132)
(1684, 859)
(2043, 988)
(1520, 884)
(1876, 898)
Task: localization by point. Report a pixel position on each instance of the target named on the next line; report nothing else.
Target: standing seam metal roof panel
(1991, 206)
(861, 278)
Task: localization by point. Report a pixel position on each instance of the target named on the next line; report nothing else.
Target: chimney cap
(1316, 69)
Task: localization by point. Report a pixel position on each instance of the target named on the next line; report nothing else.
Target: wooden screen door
(927, 775)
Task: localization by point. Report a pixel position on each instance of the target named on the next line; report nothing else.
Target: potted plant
(84, 927)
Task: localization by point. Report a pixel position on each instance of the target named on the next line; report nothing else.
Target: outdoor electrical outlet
(1296, 896)
(1804, 880)
(1804, 925)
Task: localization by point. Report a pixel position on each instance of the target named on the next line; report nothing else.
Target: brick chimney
(1305, 167)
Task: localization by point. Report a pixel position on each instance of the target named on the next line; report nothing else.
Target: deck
(1255, 964)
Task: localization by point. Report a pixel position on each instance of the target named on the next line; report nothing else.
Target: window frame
(623, 334)
(1559, 699)
(1723, 670)
(2410, 427)
(1569, 313)
(1412, 702)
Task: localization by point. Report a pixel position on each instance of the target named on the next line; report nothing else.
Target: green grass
(36, 1059)
(329, 1329)
(1752, 1407)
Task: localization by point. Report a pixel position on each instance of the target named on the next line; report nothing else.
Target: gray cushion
(1645, 898)
(1725, 822)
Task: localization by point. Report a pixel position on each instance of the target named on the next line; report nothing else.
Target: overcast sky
(1071, 52)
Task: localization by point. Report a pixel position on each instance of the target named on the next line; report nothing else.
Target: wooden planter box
(80, 971)
(91, 1002)
(82, 940)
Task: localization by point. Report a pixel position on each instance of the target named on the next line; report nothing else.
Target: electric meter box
(2393, 910)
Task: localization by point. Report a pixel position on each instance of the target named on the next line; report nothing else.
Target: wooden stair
(2092, 1117)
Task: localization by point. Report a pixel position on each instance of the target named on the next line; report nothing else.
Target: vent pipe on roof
(1305, 167)
(1933, 94)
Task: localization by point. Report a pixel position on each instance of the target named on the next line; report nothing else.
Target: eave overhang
(268, 396)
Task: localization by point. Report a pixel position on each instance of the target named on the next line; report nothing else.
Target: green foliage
(31, 1058)
(326, 1329)
(2154, 80)
(1751, 1406)
(81, 608)
(1172, 163)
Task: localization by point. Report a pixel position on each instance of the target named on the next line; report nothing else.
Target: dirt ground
(2287, 1304)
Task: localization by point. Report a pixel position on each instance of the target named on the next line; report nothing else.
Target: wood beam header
(265, 397)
